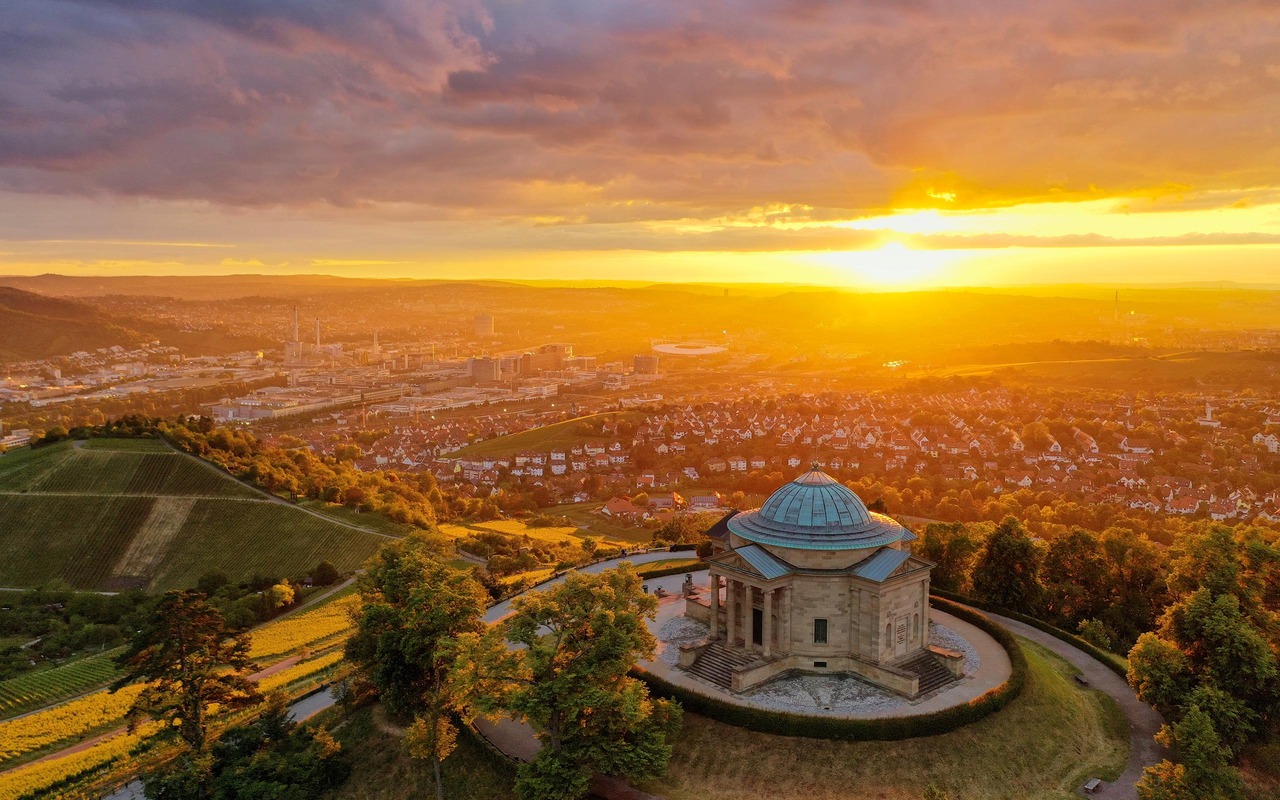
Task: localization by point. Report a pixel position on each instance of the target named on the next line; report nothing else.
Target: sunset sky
(876, 143)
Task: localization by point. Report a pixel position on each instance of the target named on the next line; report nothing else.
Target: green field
(38, 689)
(118, 513)
(561, 434)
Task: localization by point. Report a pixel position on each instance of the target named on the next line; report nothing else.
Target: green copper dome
(816, 512)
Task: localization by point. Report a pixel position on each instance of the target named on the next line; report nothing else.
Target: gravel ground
(814, 693)
(942, 636)
(675, 632)
(818, 693)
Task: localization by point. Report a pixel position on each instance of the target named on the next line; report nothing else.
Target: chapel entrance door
(900, 636)
(757, 626)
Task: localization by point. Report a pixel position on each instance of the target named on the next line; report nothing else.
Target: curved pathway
(1144, 721)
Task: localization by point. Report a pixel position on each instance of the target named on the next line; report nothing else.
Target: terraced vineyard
(131, 513)
(37, 689)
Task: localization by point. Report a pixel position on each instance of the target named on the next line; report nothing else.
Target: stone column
(784, 617)
(766, 637)
(730, 610)
(715, 606)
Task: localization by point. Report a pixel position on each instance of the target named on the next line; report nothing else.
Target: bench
(1092, 785)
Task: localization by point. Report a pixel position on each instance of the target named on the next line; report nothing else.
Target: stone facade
(819, 597)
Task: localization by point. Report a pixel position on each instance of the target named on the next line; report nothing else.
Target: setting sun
(892, 265)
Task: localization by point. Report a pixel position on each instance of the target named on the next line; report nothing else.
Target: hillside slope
(115, 514)
(33, 326)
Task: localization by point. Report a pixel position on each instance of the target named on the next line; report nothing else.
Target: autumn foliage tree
(1211, 666)
(567, 676)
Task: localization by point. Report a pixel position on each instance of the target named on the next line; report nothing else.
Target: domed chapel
(813, 582)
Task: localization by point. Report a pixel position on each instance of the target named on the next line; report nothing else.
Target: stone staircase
(717, 664)
(932, 674)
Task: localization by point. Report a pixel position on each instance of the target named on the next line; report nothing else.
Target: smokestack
(1116, 312)
(295, 323)
(317, 333)
(375, 343)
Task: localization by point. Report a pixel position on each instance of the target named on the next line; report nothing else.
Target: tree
(1202, 770)
(325, 574)
(210, 582)
(1159, 673)
(413, 608)
(189, 662)
(952, 547)
(1075, 578)
(1095, 633)
(1215, 647)
(1008, 570)
(271, 757)
(568, 678)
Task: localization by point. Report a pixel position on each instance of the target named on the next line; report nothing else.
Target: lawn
(586, 516)
(1260, 768)
(381, 770)
(515, 527)
(1043, 745)
(548, 437)
(671, 567)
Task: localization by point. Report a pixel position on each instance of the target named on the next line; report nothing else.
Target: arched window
(888, 633)
(915, 626)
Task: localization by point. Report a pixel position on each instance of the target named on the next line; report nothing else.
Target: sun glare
(892, 265)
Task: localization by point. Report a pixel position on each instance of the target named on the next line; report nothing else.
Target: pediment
(733, 561)
(910, 565)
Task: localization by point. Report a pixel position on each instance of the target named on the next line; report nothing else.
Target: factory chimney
(317, 333)
(295, 324)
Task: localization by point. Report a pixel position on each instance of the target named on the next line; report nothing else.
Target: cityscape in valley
(566, 400)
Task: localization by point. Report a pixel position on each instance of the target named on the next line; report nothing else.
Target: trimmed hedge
(662, 572)
(886, 729)
(1058, 633)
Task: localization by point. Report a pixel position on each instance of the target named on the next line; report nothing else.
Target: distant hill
(34, 326)
(129, 513)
